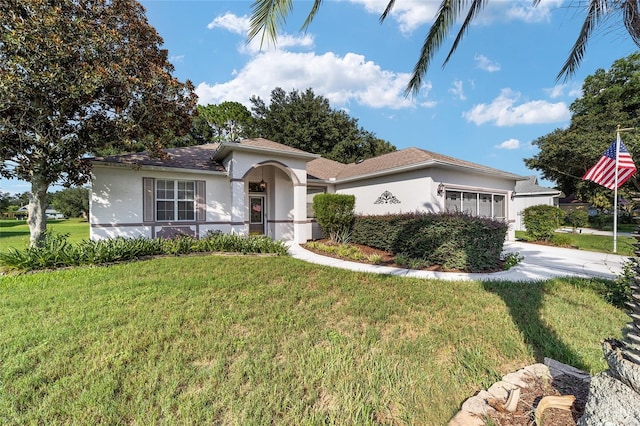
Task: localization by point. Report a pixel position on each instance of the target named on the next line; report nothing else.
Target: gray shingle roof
(397, 160)
(205, 157)
(191, 157)
(530, 186)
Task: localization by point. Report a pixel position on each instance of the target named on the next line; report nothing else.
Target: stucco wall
(417, 191)
(116, 201)
(523, 201)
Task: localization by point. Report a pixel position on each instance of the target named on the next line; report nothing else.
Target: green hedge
(452, 240)
(542, 221)
(334, 213)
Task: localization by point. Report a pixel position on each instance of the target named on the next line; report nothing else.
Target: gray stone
(558, 369)
(610, 403)
(620, 368)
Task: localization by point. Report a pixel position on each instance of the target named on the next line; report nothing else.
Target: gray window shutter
(201, 201)
(148, 199)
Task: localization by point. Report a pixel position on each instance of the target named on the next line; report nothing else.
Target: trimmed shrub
(602, 221)
(334, 213)
(455, 241)
(542, 221)
(577, 219)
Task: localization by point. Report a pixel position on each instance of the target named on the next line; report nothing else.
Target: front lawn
(15, 233)
(253, 340)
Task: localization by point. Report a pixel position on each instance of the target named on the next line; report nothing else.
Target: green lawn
(598, 243)
(251, 340)
(254, 340)
(15, 233)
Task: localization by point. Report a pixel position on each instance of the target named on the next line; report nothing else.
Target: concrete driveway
(540, 263)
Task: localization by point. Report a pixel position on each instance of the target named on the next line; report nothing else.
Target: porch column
(238, 225)
(300, 213)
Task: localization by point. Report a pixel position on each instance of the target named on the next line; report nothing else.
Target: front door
(256, 215)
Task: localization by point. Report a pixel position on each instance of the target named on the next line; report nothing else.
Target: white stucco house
(262, 187)
(528, 193)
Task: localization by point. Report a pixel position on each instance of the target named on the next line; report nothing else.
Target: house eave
(227, 147)
(552, 193)
(134, 167)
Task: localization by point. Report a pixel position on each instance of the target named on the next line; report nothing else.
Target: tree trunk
(37, 206)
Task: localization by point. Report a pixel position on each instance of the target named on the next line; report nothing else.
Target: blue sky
(497, 94)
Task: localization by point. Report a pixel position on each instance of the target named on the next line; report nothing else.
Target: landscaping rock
(610, 402)
(614, 395)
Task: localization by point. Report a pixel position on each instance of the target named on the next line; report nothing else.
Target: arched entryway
(275, 201)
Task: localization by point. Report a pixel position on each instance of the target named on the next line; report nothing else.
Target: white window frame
(461, 196)
(177, 200)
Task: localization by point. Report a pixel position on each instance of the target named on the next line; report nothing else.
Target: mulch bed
(388, 259)
(537, 389)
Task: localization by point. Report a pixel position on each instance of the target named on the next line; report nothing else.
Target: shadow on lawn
(524, 301)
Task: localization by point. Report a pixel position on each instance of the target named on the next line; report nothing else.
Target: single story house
(528, 193)
(257, 186)
(50, 213)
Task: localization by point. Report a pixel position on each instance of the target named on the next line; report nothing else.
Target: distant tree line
(71, 202)
(297, 119)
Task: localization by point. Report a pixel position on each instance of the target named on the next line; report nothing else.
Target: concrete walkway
(539, 263)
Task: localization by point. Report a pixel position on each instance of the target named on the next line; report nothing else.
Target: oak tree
(77, 76)
(305, 121)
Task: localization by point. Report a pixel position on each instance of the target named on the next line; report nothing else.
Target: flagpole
(615, 194)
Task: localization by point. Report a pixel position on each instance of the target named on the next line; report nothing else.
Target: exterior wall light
(441, 189)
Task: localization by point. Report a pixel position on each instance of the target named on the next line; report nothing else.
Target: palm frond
(445, 18)
(266, 17)
(631, 13)
(312, 14)
(597, 8)
(476, 7)
(387, 10)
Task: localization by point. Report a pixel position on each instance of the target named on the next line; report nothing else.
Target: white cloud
(284, 41)
(555, 91)
(503, 111)
(525, 11)
(573, 90)
(509, 144)
(409, 14)
(230, 22)
(176, 58)
(240, 25)
(457, 90)
(341, 80)
(486, 64)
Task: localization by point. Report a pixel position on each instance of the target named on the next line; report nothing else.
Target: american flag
(604, 172)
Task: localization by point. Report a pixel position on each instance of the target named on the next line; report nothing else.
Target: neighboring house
(262, 187)
(49, 212)
(571, 203)
(528, 193)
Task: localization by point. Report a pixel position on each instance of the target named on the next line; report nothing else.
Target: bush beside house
(542, 221)
(334, 213)
(455, 241)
